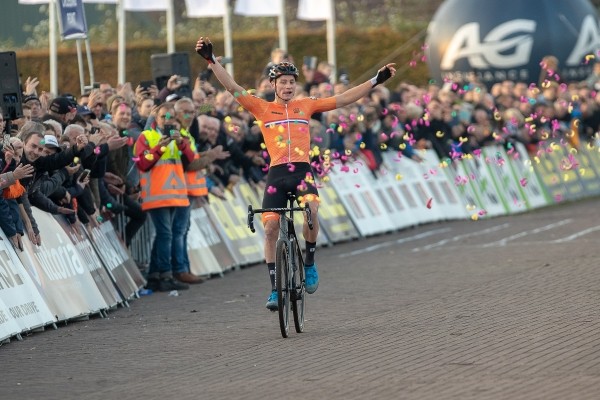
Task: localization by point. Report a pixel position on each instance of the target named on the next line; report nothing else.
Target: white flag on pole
(259, 8)
(146, 5)
(206, 8)
(314, 10)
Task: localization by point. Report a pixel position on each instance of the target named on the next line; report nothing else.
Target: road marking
(502, 242)
(460, 237)
(576, 235)
(394, 242)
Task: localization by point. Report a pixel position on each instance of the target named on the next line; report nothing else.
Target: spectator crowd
(146, 153)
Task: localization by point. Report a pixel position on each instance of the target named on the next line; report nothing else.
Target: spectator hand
(116, 142)
(65, 211)
(97, 138)
(173, 83)
(113, 179)
(23, 171)
(115, 190)
(31, 85)
(72, 169)
(81, 141)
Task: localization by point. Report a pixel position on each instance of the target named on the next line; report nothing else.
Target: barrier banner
(107, 244)
(410, 183)
(334, 221)
(352, 181)
(243, 245)
(385, 186)
(207, 252)
(22, 307)
(443, 190)
(479, 178)
(581, 162)
(555, 156)
(86, 251)
(8, 325)
(506, 183)
(59, 272)
(534, 191)
(243, 190)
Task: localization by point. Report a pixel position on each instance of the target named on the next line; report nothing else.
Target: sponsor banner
(508, 39)
(507, 185)
(584, 166)
(86, 251)
(443, 190)
(8, 325)
(466, 192)
(352, 181)
(474, 173)
(207, 251)
(550, 176)
(59, 272)
(555, 155)
(114, 261)
(534, 192)
(333, 218)
(395, 205)
(22, 306)
(72, 19)
(410, 182)
(230, 218)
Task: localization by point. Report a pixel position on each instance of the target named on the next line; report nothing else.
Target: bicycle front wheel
(298, 292)
(283, 277)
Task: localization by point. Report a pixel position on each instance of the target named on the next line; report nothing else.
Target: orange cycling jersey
(285, 126)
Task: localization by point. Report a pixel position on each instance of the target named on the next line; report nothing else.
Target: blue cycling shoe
(272, 301)
(312, 278)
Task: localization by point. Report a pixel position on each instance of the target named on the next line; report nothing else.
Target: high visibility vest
(195, 180)
(164, 184)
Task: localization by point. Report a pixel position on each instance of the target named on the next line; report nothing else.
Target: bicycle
(289, 264)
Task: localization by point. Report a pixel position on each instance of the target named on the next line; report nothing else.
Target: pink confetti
(523, 182)
(429, 202)
(271, 189)
(291, 167)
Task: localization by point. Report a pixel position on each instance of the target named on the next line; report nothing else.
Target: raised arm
(205, 49)
(357, 92)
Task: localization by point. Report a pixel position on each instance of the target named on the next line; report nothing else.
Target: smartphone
(184, 80)
(96, 85)
(146, 84)
(95, 129)
(167, 130)
(310, 62)
(84, 174)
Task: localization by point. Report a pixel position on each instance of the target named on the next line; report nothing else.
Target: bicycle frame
(289, 264)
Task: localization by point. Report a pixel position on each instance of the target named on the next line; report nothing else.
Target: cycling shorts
(283, 178)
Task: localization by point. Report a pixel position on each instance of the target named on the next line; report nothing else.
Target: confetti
(271, 190)
(429, 202)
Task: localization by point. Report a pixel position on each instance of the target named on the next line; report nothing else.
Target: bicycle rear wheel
(282, 267)
(298, 293)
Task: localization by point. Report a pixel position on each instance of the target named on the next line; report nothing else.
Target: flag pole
(281, 25)
(331, 56)
(121, 42)
(170, 27)
(227, 38)
(53, 54)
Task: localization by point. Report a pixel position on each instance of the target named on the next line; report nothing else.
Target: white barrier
(22, 306)
(83, 270)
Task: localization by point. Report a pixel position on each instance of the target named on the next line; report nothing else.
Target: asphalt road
(503, 308)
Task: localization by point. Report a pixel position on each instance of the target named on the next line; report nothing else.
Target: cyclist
(284, 124)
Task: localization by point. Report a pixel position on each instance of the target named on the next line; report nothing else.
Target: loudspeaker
(165, 65)
(10, 89)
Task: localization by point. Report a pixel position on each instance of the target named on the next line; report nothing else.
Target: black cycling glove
(206, 52)
(382, 76)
